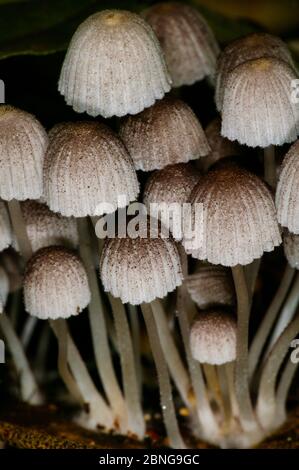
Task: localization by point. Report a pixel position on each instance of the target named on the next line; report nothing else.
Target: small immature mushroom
(211, 285)
(23, 143)
(87, 167)
(113, 66)
(56, 288)
(5, 228)
(252, 46)
(187, 41)
(139, 271)
(164, 134)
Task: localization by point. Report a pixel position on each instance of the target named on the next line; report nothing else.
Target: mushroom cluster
(188, 297)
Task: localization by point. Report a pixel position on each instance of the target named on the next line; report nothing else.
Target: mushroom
(23, 143)
(187, 41)
(164, 134)
(113, 66)
(56, 288)
(258, 109)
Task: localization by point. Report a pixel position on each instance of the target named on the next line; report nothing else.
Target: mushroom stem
(270, 166)
(286, 313)
(28, 330)
(176, 367)
(136, 423)
(284, 385)
(135, 328)
(213, 383)
(19, 227)
(266, 403)
(42, 352)
(225, 390)
(60, 330)
(167, 405)
(28, 387)
(269, 319)
(246, 414)
(99, 330)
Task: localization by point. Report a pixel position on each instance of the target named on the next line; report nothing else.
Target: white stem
(19, 227)
(136, 423)
(28, 330)
(284, 386)
(99, 332)
(176, 367)
(135, 328)
(28, 387)
(167, 405)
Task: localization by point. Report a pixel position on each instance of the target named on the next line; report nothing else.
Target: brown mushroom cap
(164, 134)
(187, 41)
(55, 284)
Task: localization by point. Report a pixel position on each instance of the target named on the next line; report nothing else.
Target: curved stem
(270, 166)
(266, 402)
(19, 227)
(136, 423)
(98, 328)
(246, 414)
(167, 405)
(28, 387)
(284, 386)
(176, 367)
(269, 319)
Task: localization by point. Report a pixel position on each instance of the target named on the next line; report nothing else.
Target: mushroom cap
(249, 47)
(114, 66)
(87, 167)
(164, 134)
(140, 269)
(238, 217)
(220, 146)
(258, 109)
(187, 41)
(5, 228)
(23, 143)
(210, 286)
(213, 337)
(55, 284)
(291, 248)
(4, 289)
(45, 228)
(287, 196)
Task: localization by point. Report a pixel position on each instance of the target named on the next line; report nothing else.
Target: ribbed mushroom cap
(210, 286)
(252, 46)
(220, 146)
(55, 284)
(213, 337)
(258, 109)
(45, 228)
(5, 228)
(187, 41)
(23, 143)
(287, 195)
(4, 289)
(291, 248)
(141, 269)
(165, 134)
(114, 66)
(239, 220)
(86, 166)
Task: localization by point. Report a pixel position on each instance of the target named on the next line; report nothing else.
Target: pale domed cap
(239, 218)
(23, 143)
(5, 228)
(4, 289)
(213, 337)
(165, 134)
(114, 66)
(210, 286)
(45, 228)
(287, 194)
(87, 166)
(258, 107)
(55, 284)
(220, 146)
(291, 248)
(141, 269)
(252, 46)
(187, 41)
